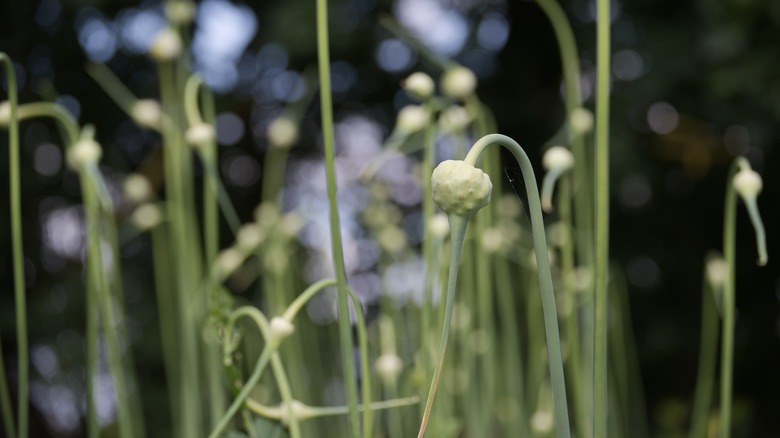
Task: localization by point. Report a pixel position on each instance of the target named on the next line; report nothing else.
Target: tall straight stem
(326, 108)
(16, 243)
(729, 304)
(600, 405)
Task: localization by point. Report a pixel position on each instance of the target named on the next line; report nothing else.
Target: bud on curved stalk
(461, 189)
(556, 161)
(748, 184)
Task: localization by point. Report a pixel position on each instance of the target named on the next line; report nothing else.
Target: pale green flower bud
(249, 237)
(279, 330)
(137, 188)
(147, 113)
(458, 82)
(412, 118)
(180, 12)
(439, 225)
(716, 270)
(84, 152)
(388, 366)
(5, 113)
(455, 118)
(460, 188)
(166, 46)
(419, 85)
(581, 120)
(146, 216)
(748, 183)
(282, 132)
(228, 261)
(200, 135)
(558, 157)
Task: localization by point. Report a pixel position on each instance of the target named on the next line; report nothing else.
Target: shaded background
(694, 84)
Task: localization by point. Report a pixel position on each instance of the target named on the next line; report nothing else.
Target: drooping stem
(600, 356)
(18, 260)
(458, 226)
(543, 269)
(729, 301)
(326, 108)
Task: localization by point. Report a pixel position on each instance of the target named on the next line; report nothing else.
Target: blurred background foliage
(695, 83)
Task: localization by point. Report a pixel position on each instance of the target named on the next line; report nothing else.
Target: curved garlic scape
(556, 161)
(748, 184)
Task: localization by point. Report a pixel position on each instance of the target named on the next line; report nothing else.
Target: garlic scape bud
(748, 184)
(460, 188)
(556, 161)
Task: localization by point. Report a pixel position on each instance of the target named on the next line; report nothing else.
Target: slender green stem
(600, 381)
(708, 350)
(389, 23)
(105, 305)
(570, 64)
(326, 108)
(183, 236)
(17, 255)
(543, 269)
(113, 86)
(574, 359)
(166, 309)
(458, 226)
(727, 338)
(284, 390)
(429, 152)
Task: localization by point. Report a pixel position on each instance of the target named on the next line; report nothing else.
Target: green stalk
(326, 108)
(458, 226)
(543, 269)
(105, 308)
(18, 261)
(186, 270)
(510, 336)
(166, 309)
(208, 154)
(573, 338)
(600, 357)
(708, 350)
(428, 241)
